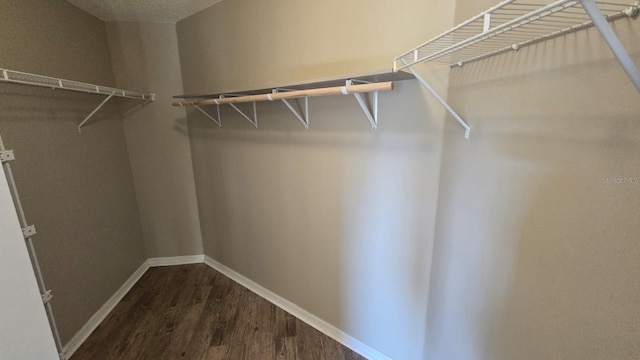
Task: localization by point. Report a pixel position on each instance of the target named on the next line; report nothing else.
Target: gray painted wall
(339, 219)
(536, 253)
(76, 188)
(145, 56)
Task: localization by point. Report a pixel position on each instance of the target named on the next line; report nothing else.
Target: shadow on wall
(339, 219)
(388, 218)
(22, 102)
(536, 252)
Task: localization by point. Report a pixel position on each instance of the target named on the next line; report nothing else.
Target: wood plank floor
(194, 312)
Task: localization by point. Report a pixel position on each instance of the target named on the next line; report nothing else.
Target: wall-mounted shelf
(356, 85)
(22, 78)
(513, 24)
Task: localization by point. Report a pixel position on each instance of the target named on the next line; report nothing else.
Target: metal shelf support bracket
(304, 118)
(425, 84)
(46, 297)
(218, 121)
(370, 113)
(254, 121)
(29, 231)
(7, 155)
(612, 40)
(95, 111)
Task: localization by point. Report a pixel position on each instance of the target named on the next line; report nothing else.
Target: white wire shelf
(509, 26)
(513, 24)
(17, 77)
(22, 78)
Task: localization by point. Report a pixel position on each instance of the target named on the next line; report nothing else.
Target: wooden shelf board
(376, 77)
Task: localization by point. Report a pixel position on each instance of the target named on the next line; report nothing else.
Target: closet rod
(336, 90)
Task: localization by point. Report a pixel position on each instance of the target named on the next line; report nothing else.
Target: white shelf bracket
(303, 118)
(254, 121)
(487, 22)
(612, 40)
(467, 128)
(6, 156)
(46, 297)
(218, 121)
(95, 111)
(370, 112)
(29, 231)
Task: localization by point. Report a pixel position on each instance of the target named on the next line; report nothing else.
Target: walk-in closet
(340, 180)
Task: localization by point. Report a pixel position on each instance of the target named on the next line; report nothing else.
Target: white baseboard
(175, 260)
(102, 313)
(286, 305)
(317, 323)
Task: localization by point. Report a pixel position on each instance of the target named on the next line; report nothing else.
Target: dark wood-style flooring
(194, 312)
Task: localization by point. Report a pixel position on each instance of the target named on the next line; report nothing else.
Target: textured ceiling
(166, 11)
